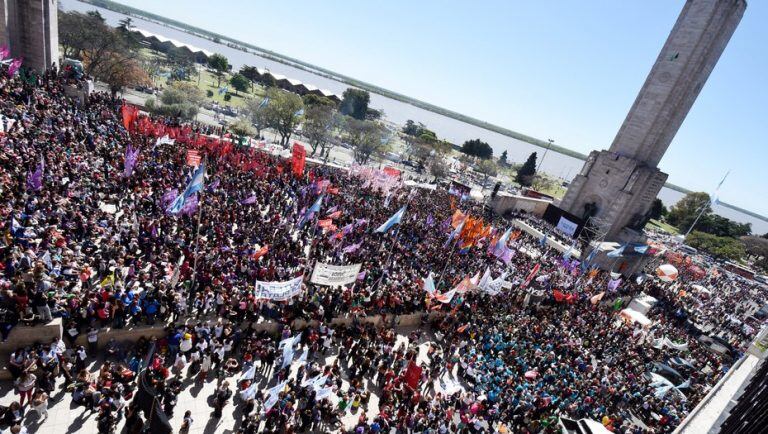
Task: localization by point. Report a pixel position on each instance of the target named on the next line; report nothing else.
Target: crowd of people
(98, 249)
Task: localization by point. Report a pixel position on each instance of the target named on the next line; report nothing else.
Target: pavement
(66, 417)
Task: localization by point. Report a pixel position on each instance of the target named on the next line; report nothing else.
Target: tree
(242, 127)
(251, 73)
(311, 99)
(438, 168)
(503, 160)
(283, 113)
(180, 100)
(354, 103)
(366, 138)
(219, 64)
(684, 212)
(477, 148)
(723, 247)
(256, 111)
(527, 171)
(718, 225)
(88, 38)
(487, 168)
(657, 209)
(239, 82)
(757, 248)
(318, 122)
(120, 71)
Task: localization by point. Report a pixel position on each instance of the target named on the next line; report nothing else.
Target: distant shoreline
(296, 63)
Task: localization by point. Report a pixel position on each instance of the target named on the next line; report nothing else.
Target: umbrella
(531, 375)
(666, 273)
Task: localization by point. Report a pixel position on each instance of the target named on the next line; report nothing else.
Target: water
(555, 164)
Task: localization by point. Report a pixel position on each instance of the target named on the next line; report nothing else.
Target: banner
(278, 291)
(335, 275)
(566, 226)
(299, 156)
(413, 375)
(531, 276)
(193, 158)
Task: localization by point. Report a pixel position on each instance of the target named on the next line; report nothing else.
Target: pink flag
(4, 52)
(13, 68)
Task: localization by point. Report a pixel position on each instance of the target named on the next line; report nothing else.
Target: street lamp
(545, 154)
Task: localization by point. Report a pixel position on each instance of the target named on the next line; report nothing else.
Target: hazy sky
(568, 70)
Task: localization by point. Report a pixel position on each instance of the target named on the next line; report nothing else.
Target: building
(616, 187)
(30, 29)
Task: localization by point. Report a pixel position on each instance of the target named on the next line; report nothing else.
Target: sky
(566, 70)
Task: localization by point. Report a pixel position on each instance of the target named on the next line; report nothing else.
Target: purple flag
(352, 247)
(347, 229)
(446, 224)
(250, 200)
(35, 179)
(13, 68)
(190, 206)
(430, 220)
(361, 275)
(613, 284)
(332, 209)
(214, 184)
(361, 222)
(168, 197)
(131, 155)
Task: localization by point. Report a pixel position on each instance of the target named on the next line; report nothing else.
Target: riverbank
(341, 78)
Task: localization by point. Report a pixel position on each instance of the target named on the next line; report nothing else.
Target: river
(554, 163)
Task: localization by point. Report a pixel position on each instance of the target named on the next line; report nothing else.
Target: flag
(430, 220)
(4, 52)
(615, 253)
(165, 140)
(590, 257)
(445, 297)
(195, 185)
(531, 275)
(261, 252)
(596, 299)
(131, 155)
(455, 233)
(569, 252)
(395, 219)
(35, 179)
(14, 66)
(193, 158)
(429, 284)
(543, 241)
(716, 194)
(642, 249)
(315, 208)
(413, 375)
(352, 247)
(361, 275)
(502, 241)
(249, 200)
(334, 215)
(614, 284)
(485, 279)
(273, 394)
(298, 160)
(249, 374)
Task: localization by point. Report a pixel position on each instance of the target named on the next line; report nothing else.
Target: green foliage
(684, 212)
(209, 93)
(242, 127)
(311, 99)
(318, 121)
(354, 103)
(239, 82)
(503, 160)
(219, 64)
(718, 225)
(488, 168)
(657, 209)
(757, 248)
(527, 171)
(282, 113)
(366, 137)
(256, 113)
(180, 100)
(723, 247)
(227, 97)
(477, 148)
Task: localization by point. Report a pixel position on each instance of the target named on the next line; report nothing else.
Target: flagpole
(192, 289)
(453, 249)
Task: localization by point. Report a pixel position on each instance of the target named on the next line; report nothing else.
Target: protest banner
(335, 275)
(193, 158)
(299, 160)
(278, 291)
(413, 375)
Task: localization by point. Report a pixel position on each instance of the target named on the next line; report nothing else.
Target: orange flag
(261, 252)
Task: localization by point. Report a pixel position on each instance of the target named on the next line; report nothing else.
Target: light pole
(545, 154)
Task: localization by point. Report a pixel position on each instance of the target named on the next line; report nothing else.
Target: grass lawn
(664, 227)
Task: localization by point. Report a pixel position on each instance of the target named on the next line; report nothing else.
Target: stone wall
(504, 203)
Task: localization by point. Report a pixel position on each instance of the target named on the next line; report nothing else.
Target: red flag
(559, 296)
(261, 252)
(532, 275)
(413, 375)
(299, 159)
(325, 223)
(334, 215)
(129, 115)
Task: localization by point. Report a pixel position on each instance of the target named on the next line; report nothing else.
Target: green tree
(283, 113)
(367, 138)
(318, 122)
(657, 209)
(181, 100)
(311, 99)
(477, 148)
(220, 65)
(487, 168)
(251, 73)
(242, 127)
(503, 160)
(722, 247)
(527, 171)
(757, 249)
(354, 103)
(721, 226)
(239, 82)
(256, 111)
(684, 212)
(438, 168)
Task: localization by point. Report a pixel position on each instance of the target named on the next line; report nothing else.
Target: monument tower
(30, 29)
(616, 187)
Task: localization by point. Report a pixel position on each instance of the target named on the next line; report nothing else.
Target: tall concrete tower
(617, 187)
(30, 28)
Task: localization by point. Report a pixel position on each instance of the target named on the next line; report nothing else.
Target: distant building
(30, 28)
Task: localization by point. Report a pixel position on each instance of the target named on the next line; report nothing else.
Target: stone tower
(30, 28)
(617, 187)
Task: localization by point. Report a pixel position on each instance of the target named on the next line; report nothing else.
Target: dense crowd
(99, 250)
